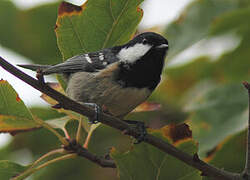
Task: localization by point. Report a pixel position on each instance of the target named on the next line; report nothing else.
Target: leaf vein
(159, 169)
(110, 7)
(77, 35)
(187, 175)
(114, 24)
(93, 22)
(130, 176)
(17, 117)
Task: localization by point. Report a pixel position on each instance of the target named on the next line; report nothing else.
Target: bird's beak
(162, 46)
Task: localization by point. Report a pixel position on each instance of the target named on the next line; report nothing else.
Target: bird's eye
(144, 41)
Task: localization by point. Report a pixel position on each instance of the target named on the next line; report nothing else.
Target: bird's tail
(69, 66)
(34, 67)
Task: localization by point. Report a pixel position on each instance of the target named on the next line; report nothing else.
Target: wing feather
(92, 62)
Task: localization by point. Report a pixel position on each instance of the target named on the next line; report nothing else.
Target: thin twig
(246, 172)
(31, 171)
(86, 143)
(116, 123)
(79, 130)
(75, 147)
(53, 152)
(66, 133)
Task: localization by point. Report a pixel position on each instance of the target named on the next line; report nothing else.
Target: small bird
(116, 79)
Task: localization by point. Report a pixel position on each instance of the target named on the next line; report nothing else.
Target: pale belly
(85, 87)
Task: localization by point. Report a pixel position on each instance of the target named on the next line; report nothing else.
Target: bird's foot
(140, 128)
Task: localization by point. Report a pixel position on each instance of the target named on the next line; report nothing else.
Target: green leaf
(95, 25)
(23, 30)
(180, 79)
(230, 67)
(235, 19)
(59, 122)
(45, 113)
(9, 169)
(88, 126)
(235, 64)
(14, 115)
(144, 161)
(216, 112)
(230, 154)
(196, 21)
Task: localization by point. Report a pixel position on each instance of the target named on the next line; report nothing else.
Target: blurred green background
(208, 59)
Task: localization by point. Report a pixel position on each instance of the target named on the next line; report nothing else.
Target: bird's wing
(91, 62)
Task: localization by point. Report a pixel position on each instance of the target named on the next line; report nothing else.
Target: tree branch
(116, 123)
(246, 172)
(75, 147)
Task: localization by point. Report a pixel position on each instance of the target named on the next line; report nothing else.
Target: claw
(141, 129)
(57, 106)
(196, 157)
(143, 133)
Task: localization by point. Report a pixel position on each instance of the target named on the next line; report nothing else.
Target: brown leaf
(147, 106)
(69, 9)
(177, 132)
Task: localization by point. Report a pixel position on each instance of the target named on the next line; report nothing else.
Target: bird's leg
(98, 111)
(92, 120)
(141, 128)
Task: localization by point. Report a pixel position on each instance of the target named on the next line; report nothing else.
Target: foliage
(205, 92)
(155, 163)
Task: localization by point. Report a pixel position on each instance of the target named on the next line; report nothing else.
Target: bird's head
(147, 43)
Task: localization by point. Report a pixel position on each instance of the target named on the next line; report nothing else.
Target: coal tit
(117, 79)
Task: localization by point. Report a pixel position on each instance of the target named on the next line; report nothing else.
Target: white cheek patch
(131, 54)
